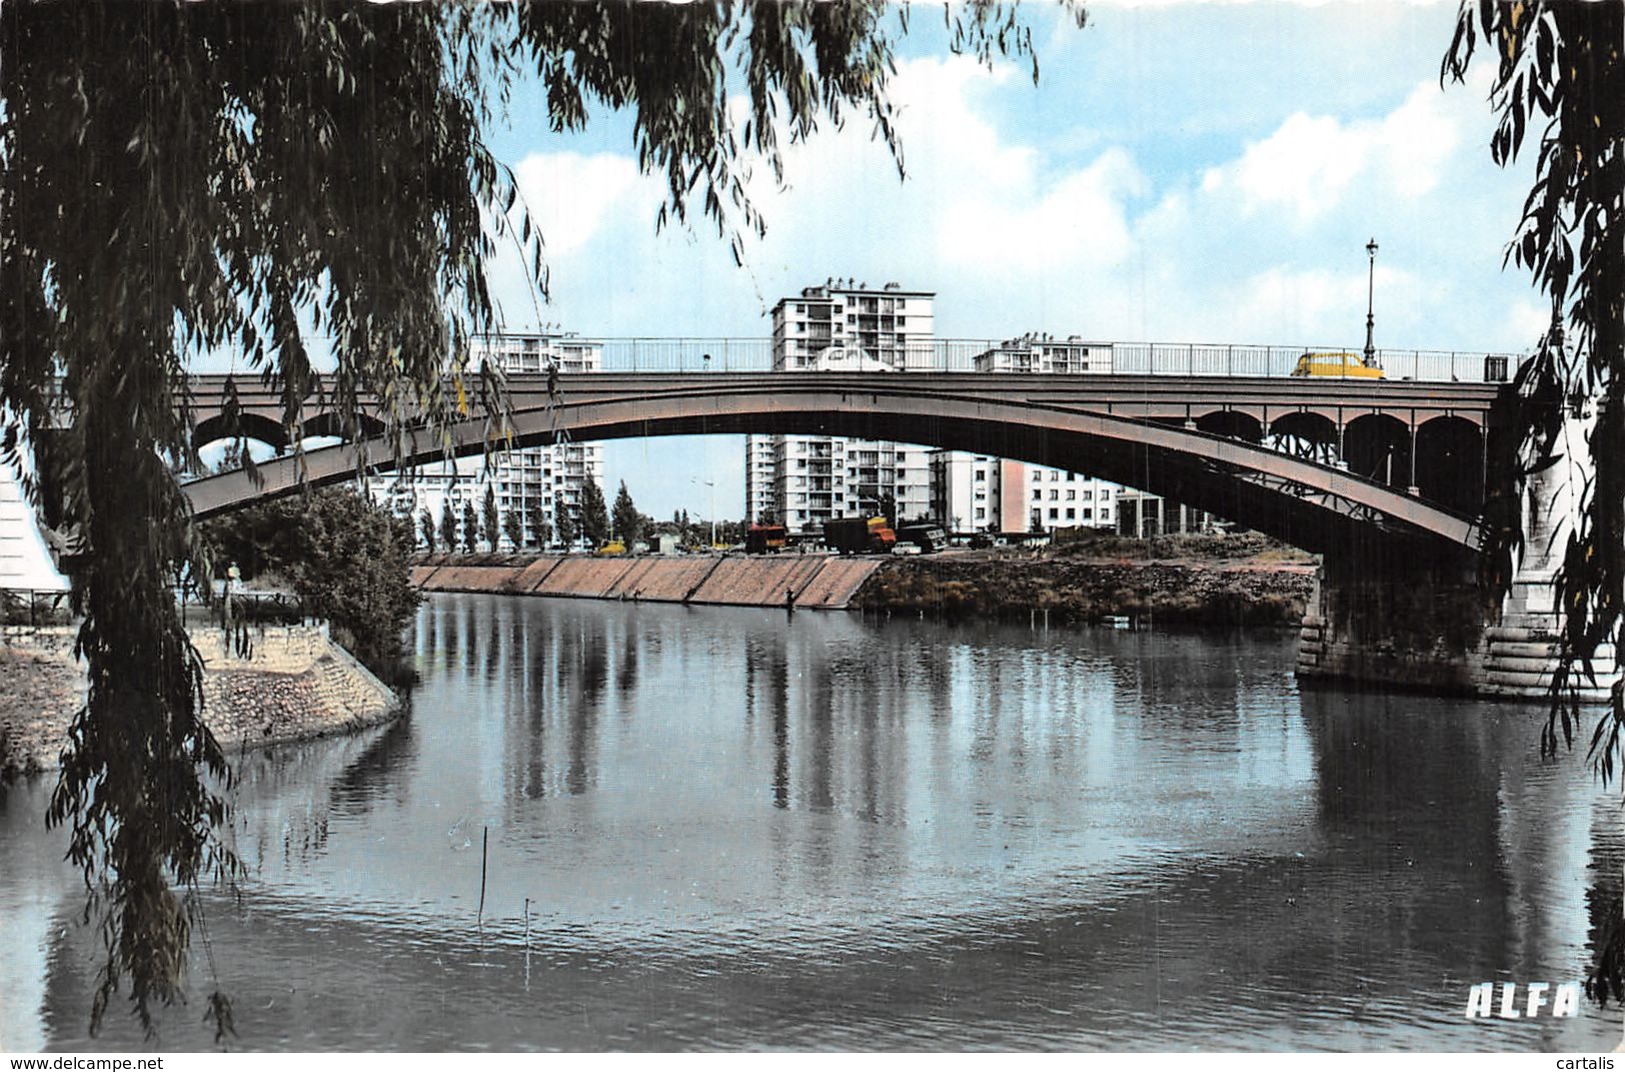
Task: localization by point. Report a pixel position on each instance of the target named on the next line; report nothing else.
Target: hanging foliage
(183, 178)
(1560, 80)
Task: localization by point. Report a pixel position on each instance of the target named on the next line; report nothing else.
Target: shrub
(342, 554)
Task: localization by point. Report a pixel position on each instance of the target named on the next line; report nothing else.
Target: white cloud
(571, 196)
(1309, 163)
(1079, 215)
(1527, 321)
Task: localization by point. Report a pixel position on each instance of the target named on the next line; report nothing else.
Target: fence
(699, 355)
(36, 608)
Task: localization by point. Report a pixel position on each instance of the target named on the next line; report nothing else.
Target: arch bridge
(1387, 479)
(1311, 461)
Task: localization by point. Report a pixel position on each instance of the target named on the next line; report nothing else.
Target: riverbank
(809, 582)
(1213, 582)
(285, 683)
(1206, 581)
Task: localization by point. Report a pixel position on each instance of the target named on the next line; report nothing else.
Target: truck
(857, 536)
(928, 538)
(1343, 365)
(765, 539)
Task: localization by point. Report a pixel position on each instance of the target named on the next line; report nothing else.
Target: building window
(1054, 514)
(1071, 514)
(1087, 513)
(981, 513)
(981, 476)
(1054, 493)
(1038, 494)
(1038, 475)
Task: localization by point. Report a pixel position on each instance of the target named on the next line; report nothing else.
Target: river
(733, 829)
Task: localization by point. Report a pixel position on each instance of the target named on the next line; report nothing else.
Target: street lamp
(1370, 286)
(712, 484)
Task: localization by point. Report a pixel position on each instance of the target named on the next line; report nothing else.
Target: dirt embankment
(1212, 586)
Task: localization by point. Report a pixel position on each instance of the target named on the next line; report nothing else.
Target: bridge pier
(1395, 613)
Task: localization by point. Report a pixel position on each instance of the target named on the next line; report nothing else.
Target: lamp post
(1370, 288)
(712, 484)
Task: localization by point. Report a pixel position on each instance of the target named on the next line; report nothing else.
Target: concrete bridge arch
(1309, 504)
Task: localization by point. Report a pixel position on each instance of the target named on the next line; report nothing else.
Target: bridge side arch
(250, 426)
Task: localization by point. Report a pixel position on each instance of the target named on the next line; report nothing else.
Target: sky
(1182, 172)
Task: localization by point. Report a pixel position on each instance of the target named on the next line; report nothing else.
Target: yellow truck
(1345, 365)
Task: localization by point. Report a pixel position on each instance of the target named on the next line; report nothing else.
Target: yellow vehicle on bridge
(1344, 364)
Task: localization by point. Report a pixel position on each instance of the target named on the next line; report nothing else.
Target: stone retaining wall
(279, 683)
(1430, 634)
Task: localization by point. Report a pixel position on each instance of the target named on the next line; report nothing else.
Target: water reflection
(743, 829)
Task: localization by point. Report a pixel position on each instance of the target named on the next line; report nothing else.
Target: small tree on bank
(569, 529)
(628, 522)
(513, 529)
(594, 514)
(490, 524)
(540, 531)
(471, 529)
(426, 523)
(448, 526)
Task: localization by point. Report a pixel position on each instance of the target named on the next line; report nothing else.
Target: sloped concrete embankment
(267, 686)
(816, 582)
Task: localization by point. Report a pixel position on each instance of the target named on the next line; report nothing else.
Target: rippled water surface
(738, 830)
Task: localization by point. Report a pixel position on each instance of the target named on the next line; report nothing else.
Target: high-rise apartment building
(803, 481)
(1043, 353)
(548, 477)
(979, 493)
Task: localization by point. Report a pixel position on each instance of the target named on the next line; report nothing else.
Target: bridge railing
(719, 354)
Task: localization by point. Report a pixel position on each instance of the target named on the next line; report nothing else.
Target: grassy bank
(1215, 582)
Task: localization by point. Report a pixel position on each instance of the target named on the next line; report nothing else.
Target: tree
(594, 515)
(888, 509)
(448, 525)
(1560, 71)
(489, 525)
(541, 533)
(568, 529)
(513, 529)
(628, 522)
(471, 529)
(426, 523)
(344, 555)
(1561, 63)
(208, 156)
